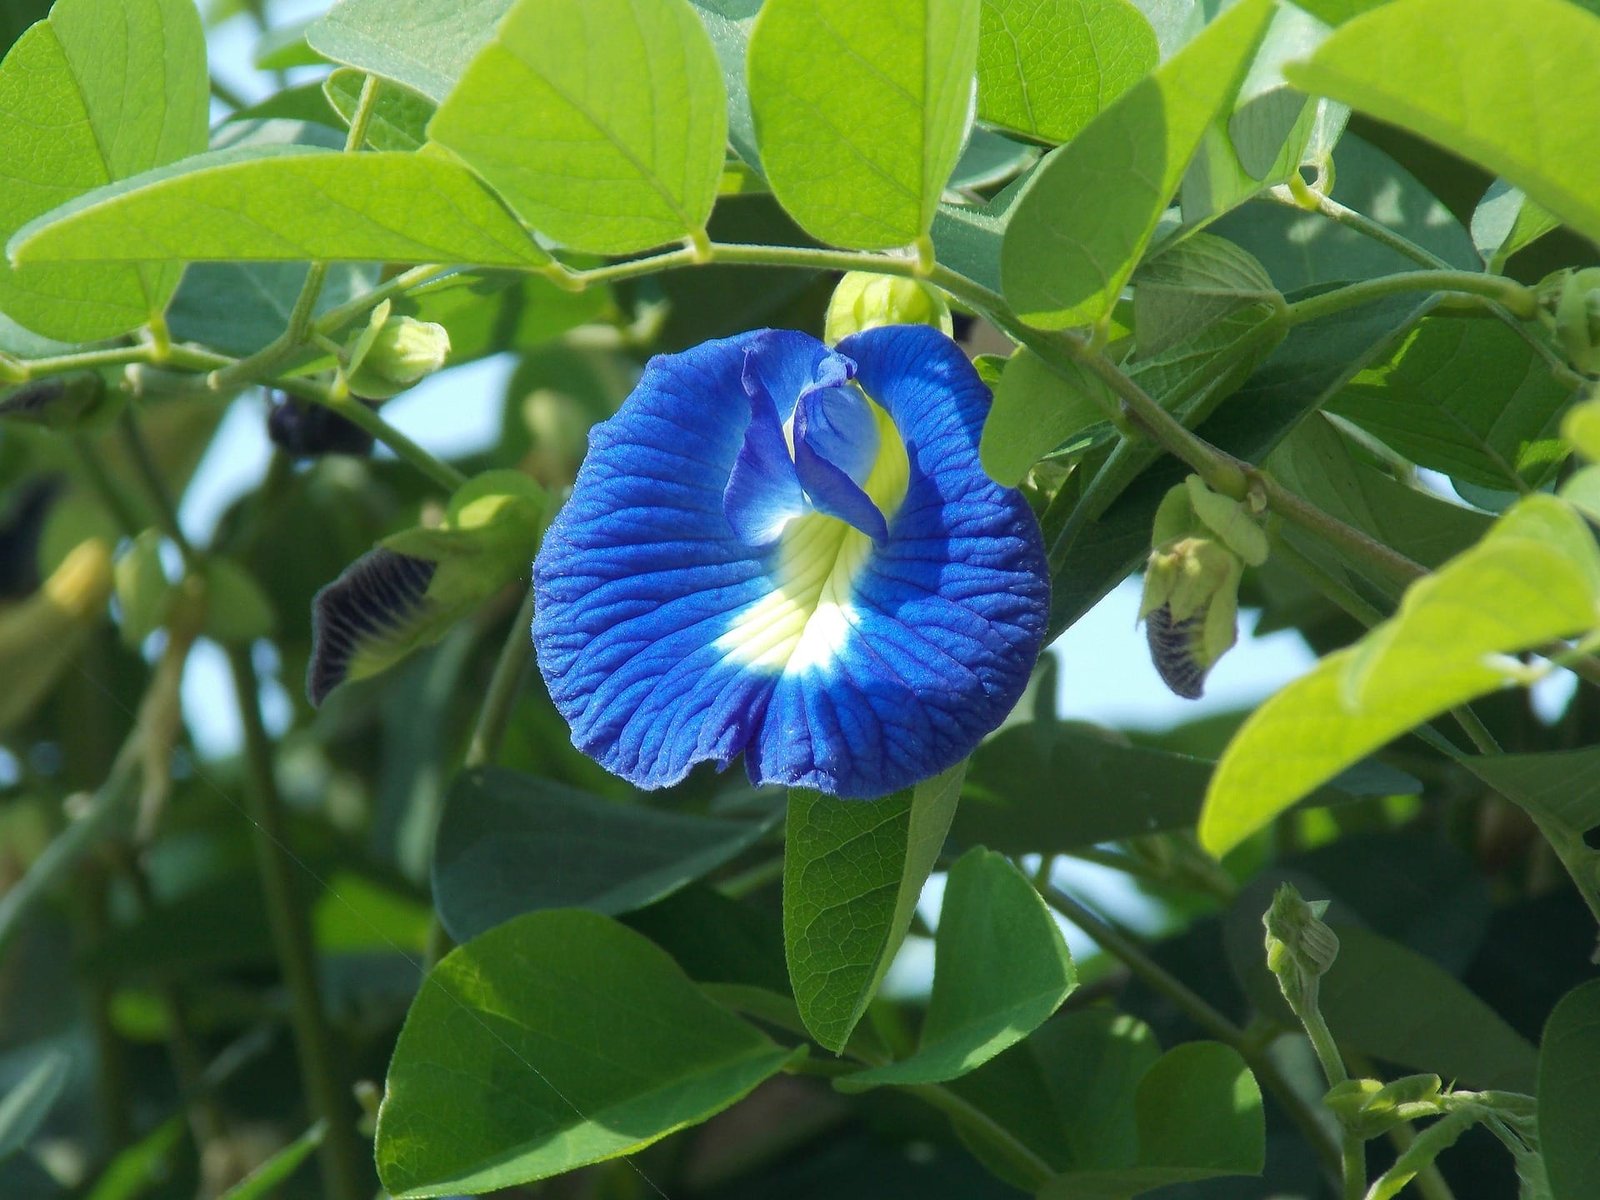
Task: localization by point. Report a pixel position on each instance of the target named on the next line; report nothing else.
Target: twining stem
(1251, 1049)
(344, 1177)
(1515, 297)
(504, 684)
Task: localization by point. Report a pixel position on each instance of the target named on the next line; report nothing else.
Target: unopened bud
(1300, 946)
(1569, 305)
(865, 300)
(392, 353)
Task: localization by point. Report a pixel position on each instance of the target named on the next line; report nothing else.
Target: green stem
(1520, 301)
(328, 1096)
(504, 684)
(1330, 208)
(337, 317)
(156, 487)
(104, 488)
(357, 413)
(1251, 1049)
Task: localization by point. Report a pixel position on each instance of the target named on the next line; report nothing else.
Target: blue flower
(791, 552)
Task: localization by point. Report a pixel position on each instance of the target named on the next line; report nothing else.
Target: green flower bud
(1569, 305)
(392, 353)
(1369, 1108)
(1300, 947)
(60, 401)
(1581, 428)
(864, 300)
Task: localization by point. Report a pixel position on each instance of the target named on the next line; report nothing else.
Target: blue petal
(837, 424)
(642, 583)
(763, 493)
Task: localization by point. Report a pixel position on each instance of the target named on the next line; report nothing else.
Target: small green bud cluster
(1300, 946)
(1569, 306)
(1201, 543)
(864, 300)
(1370, 1108)
(392, 353)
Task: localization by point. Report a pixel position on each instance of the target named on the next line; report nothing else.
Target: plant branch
(1517, 299)
(504, 684)
(326, 1092)
(156, 487)
(1018, 1153)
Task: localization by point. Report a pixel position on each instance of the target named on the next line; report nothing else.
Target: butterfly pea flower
(791, 552)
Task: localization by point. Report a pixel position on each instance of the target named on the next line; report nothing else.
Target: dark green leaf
(1569, 1064)
(510, 843)
(1000, 969)
(557, 1039)
(24, 1108)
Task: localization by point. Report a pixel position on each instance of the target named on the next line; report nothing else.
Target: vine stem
(504, 684)
(1516, 298)
(330, 1099)
(1253, 1051)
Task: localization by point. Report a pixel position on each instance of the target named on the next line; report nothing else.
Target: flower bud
(865, 300)
(1300, 946)
(1569, 305)
(392, 353)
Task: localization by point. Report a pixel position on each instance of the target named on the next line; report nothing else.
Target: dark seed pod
(1175, 649)
(308, 430)
(58, 401)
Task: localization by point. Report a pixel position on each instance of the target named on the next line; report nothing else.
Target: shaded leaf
(1569, 1064)
(1506, 221)
(265, 1179)
(1001, 968)
(24, 1108)
(1038, 408)
(419, 43)
(510, 843)
(529, 1050)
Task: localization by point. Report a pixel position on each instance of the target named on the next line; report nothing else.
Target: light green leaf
(1506, 221)
(1038, 408)
(287, 203)
(510, 843)
(97, 93)
(263, 1182)
(420, 43)
(603, 124)
(852, 873)
(399, 118)
(1569, 1062)
(1001, 968)
(860, 110)
(1199, 1116)
(1466, 397)
(1080, 228)
(1181, 291)
(1503, 85)
(24, 1108)
(1047, 67)
(1534, 577)
(557, 1039)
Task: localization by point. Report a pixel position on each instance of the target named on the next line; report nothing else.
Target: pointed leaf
(860, 110)
(99, 92)
(557, 1039)
(603, 124)
(1507, 86)
(511, 843)
(1001, 968)
(852, 873)
(1082, 225)
(287, 203)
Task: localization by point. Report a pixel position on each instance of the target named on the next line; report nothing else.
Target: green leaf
(1092, 207)
(603, 124)
(1001, 968)
(1534, 577)
(557, 1039)
(1047, 67)
(1068, 1091)
(860, 110)
(262, 1183)
(1506, 221)
(728, 22)
(419, 43)
(510, 843)
(283, 203)
(1185, 289)
(97, 93)
(1467, 397)
(399, 117)
(852, 873)
(1043, 788)
(1501, 85)
(1569, 1059)
(1199, 1116)
(24, 1108)
(1036, 409)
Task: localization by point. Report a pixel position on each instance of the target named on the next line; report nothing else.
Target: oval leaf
(860, 111)
(602, 123)
(524, 1056)
(1569, 1063)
